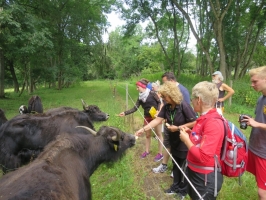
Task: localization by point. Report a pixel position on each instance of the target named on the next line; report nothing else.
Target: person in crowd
(218, 78)
(176, 113)
(257, 141)
(155, 87)
(169, 76)
(147, 99)
(204, 141)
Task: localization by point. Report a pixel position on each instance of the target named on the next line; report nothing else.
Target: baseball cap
(217, 73)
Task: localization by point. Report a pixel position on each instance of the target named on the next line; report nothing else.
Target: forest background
(59, 43)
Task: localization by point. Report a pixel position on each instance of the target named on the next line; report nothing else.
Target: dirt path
(153, 185)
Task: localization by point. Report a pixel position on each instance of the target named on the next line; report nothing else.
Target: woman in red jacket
(204, 142)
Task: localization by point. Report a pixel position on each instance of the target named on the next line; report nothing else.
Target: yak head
(94, 112)
(110, 142)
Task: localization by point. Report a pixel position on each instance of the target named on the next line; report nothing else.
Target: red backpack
(234, 154)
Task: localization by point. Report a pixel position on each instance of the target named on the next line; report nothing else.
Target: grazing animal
(23, 137)
(62, 170)
(34, 106)
(92, 111)
(3, 118)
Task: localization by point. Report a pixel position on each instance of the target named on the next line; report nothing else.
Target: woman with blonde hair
(176, 113)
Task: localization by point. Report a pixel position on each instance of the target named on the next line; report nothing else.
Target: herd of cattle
(51, 155)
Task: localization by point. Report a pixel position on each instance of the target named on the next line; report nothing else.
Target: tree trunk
(219, 38)
(219, 14)
(199, 41)
(14, 77)
(2, 74)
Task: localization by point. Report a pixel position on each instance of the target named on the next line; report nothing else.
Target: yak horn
(88, 129)
(117, 136)
(84, 104)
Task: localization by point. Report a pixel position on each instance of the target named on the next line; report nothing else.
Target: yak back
(23, 137)
(92, 111)
(58, 173)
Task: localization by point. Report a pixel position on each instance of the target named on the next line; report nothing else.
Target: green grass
(118, 181)
(110, 181)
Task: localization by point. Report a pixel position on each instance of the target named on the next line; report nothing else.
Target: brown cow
(62, 170)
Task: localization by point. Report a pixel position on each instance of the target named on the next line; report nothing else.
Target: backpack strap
(217, 168)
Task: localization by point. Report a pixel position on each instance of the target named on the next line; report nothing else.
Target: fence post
(230, 98)
(126, 96)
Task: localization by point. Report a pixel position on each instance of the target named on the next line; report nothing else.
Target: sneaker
(158, 157)
(170, 191)
(144, 155)
(160, 169)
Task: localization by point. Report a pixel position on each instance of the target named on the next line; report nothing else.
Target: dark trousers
(204, 184)
(180, 184)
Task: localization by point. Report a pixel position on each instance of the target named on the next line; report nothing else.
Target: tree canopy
(57, 43)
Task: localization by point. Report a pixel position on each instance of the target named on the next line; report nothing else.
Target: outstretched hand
(139, 132)
(122, 114)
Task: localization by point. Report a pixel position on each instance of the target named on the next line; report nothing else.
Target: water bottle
(230, 154)
(230, 159)
(196, 138)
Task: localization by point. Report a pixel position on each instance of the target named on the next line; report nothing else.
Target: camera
(243, 125)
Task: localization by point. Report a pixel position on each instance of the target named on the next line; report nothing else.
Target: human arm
(173, 128)
(149, 126)
(229, 93)
(132, 110)
(251, 122)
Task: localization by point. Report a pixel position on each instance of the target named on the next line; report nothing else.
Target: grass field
(125, 179)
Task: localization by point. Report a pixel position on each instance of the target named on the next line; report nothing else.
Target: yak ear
(117, 135)
(115, 138)
(88, 129)
(85, 106)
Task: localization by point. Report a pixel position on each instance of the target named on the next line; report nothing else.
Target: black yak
(62, 170)
(92, 111)
(23, 137)
(34, 106)
(3, 118)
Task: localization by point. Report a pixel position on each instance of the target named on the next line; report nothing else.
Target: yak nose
(107, 116)
(133, 139)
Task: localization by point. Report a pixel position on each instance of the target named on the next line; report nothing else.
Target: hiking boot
(144, 155)
(158, 157)
(160, 169)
